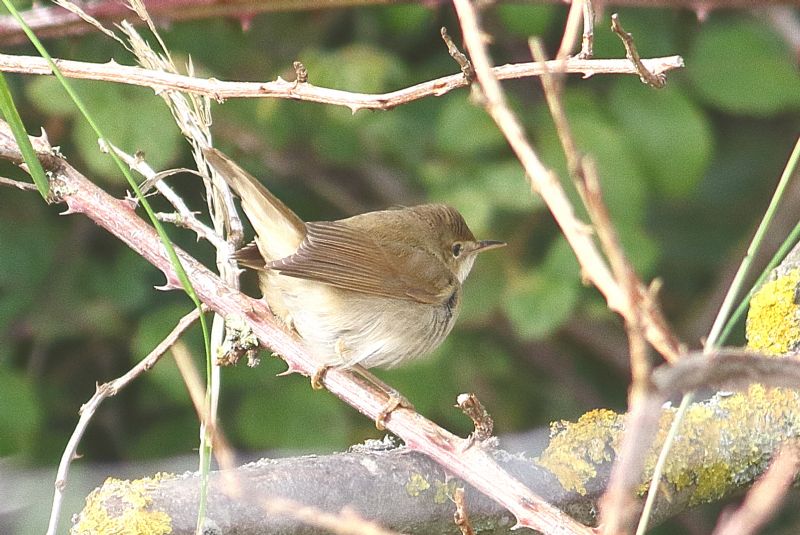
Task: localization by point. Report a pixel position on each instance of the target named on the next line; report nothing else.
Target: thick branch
(718, 455)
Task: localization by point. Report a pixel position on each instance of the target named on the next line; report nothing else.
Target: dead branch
(50, 21)
(280, 88)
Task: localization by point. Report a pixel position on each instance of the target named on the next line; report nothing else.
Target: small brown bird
(376, 290)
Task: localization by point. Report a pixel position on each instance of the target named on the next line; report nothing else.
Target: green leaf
(741, 66)
(526, 20)
(653, 30)
(13, 119)
(29, 251)
(670, 135)
(286, 412)
(504, 185)
(357, 67)
(464, 129)
(130, 117)
(48, 95)
(402, 19)
(168, 434)
(21, 416)
(621, 178)
(483, 290)
(537, 303)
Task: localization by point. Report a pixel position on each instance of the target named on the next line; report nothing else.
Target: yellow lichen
(416, 485)
(773, 327)
(721, 445)
(444, 491)
(123, 507)
(576, 449)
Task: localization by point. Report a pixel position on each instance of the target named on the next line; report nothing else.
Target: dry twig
(472, 407)
(648, 77)
(102, 392)
(460, 517)
(764, 498)
(544, 182)
(280, 88)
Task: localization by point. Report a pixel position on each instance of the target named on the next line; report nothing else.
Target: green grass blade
(179, 270)
(786, 246)
(9, 111)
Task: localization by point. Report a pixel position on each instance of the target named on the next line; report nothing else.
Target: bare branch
(652, 79)
(102, 392)
(25, 186)
(280, 88)
(544, 182)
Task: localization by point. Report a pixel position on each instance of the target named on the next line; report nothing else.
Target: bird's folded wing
(349, 258)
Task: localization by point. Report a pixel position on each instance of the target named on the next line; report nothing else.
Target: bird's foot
(319, 375)
(396, 401)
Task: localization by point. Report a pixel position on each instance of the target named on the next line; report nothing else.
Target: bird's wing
(278, 230)
(340, 255)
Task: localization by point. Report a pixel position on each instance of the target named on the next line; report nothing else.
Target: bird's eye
(457, 249)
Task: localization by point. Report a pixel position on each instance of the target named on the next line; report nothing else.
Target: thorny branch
(52, 21)
(280, 88)
(473, 464)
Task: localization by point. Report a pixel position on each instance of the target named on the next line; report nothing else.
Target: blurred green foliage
(686, 172)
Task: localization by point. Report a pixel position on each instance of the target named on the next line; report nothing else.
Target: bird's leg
(319, 375)
(396, 399)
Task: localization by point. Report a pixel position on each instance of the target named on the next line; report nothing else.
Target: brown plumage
(376, 289)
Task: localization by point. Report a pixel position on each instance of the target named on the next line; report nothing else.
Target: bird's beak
(485, 245)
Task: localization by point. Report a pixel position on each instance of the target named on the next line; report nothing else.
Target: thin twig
(221, 90)
(25, 186)
(183, 216)
(300, 73)
(194, 385)
(458, 56)
(653, 79)
(625, 276)
(544, 182)
(472, 407)
(765, 497)
(571, 31)
(460, 517)
(89, 409)
(584, 175)
(587, 44)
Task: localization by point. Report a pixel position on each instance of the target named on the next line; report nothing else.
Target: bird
(378, 289)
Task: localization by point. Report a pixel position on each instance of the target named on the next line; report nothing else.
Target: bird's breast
(344, 328)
